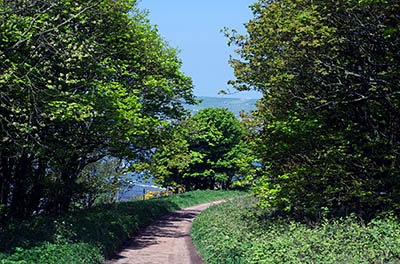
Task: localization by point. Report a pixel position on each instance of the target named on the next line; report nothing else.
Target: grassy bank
(235, 232)
(87, 236)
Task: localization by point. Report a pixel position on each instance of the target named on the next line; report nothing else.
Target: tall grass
(236, 232)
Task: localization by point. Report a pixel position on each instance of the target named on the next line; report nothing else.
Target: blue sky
(193, 26)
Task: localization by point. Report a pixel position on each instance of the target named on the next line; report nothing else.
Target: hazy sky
(193, 26)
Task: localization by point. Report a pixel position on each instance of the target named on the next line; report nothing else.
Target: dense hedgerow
(235, 232)
(88, 236)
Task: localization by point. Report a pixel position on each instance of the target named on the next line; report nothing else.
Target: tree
(329, 117)
(80, 80)
(202, 153)
(102, 180)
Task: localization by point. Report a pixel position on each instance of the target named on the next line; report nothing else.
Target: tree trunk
(18, 203)
(36, 191)
(6, 163)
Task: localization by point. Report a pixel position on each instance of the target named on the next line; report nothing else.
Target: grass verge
(237, 232)
(88, 236)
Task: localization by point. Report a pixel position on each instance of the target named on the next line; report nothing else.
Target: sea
(138, 189)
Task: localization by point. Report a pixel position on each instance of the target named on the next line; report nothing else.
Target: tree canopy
(80, 80)
(329, 118)
(203, 152)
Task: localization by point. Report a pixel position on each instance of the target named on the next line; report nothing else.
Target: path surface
(166, 240)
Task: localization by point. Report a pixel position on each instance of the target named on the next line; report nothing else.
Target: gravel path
(166, 240)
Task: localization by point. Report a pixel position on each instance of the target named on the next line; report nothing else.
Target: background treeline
(79, 81)
(204, 151)
(327, 130)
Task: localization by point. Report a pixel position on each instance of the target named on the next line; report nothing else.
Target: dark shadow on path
(165, 227)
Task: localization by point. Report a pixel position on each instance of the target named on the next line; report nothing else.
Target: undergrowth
(88, 236)
(237, 232)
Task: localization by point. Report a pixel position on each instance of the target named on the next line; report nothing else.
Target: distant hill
(233, 104)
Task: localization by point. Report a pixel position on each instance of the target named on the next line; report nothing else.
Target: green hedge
(87, 236)
(237, 232)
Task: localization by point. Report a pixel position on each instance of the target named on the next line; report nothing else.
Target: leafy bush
(236, 232)
(87, 236)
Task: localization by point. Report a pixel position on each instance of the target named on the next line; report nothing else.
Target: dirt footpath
(166, 240)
